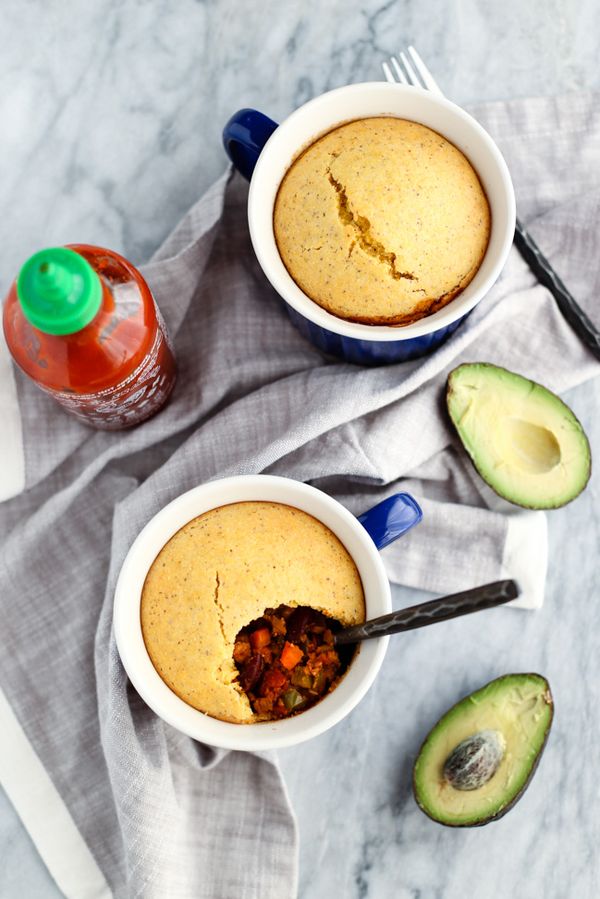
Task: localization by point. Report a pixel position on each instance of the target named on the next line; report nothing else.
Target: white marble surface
(111, 116)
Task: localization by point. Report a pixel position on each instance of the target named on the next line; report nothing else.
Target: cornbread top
(381, 221)
(221, 571)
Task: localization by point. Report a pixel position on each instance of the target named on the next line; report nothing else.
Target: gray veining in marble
(111, 116)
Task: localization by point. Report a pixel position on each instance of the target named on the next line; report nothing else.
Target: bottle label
(132, 400)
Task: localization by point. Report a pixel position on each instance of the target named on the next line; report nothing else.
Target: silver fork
(410, 69)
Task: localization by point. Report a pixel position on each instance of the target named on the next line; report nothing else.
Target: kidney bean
(299, 621)
(252, 672)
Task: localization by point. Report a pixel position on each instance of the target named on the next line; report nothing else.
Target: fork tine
(424, 79)
(428, 79)
(388, 73)
(412, 75)
(401, 77)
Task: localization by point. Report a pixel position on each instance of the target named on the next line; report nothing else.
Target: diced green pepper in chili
(301, 678)
(292, 699)
(319, 682)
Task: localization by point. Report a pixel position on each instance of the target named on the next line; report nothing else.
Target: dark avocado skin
(499, 814)
(483, 478)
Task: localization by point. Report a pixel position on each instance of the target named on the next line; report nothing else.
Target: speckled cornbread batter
(381, 221)
(221, 571)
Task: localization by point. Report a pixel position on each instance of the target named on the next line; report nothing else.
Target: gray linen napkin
(161, 814)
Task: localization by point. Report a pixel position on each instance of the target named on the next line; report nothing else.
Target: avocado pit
(475, 760)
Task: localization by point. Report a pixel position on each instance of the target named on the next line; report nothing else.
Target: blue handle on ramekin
(391, 518)
(244, 136)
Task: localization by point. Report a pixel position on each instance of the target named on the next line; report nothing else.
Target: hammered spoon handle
(464, 603)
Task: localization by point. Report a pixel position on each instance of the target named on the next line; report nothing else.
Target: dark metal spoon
(475, 600)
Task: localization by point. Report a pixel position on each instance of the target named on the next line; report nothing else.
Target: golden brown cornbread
(220, 572)
(381, 221)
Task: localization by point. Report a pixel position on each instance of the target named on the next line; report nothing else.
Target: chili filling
(287, 660)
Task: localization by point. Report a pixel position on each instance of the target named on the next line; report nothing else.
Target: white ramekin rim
(371, 99)
(128, 631)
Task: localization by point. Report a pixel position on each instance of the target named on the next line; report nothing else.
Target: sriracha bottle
(82, 323)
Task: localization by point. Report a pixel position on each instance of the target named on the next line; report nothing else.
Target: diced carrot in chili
(290, 655)
(260, 638)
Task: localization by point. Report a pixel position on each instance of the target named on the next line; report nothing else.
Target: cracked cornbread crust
(381, 221)
(219, 573)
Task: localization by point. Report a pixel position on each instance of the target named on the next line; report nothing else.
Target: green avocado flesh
(518, 709)
(523, 440)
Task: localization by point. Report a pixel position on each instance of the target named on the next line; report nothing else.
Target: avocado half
(479, 758)
(522, 439)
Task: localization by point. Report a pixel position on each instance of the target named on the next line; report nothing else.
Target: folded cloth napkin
(118, 802)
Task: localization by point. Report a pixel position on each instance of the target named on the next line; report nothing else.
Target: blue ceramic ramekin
(263, 151)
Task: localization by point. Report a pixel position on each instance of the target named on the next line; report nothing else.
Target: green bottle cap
(59, 291)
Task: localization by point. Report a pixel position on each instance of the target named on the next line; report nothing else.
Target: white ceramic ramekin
(266, 158)
(356, 539)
